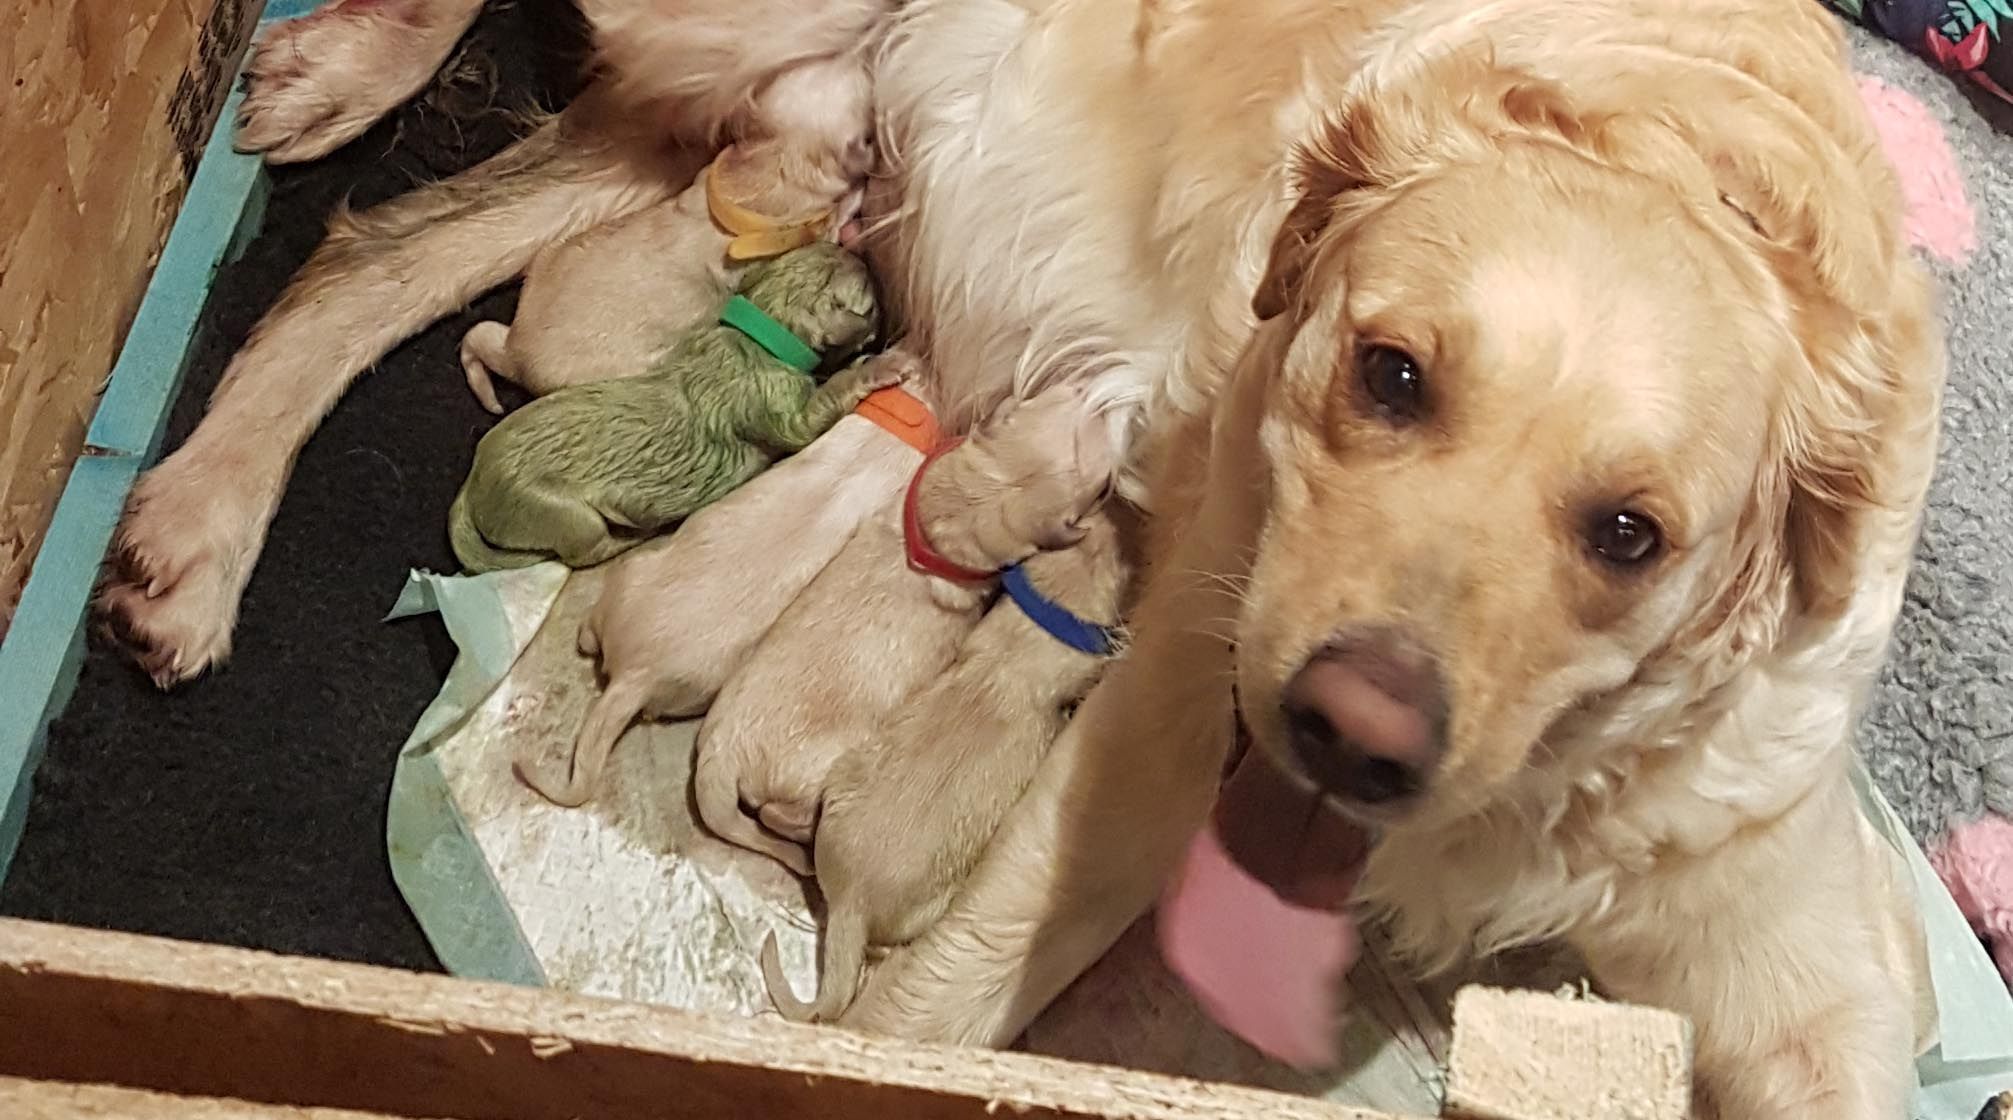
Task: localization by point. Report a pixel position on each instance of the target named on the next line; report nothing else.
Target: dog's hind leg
(196, 523)
(317, 82)
(718, 796)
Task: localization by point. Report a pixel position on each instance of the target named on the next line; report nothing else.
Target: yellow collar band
(756, 236)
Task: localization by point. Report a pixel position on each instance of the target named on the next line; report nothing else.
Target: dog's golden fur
(1647, 253)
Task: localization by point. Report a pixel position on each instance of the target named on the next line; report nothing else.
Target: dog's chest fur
(1074, 205)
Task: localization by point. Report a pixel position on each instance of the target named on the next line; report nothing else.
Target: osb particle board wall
(104, 108)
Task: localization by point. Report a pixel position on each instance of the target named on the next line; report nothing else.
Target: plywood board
(90, 1007)
(58, 1100)
(104, 107)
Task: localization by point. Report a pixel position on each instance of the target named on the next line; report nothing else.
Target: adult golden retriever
(1536, 401)
(1557, 520)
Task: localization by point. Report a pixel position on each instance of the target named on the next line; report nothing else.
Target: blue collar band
(1092, 638)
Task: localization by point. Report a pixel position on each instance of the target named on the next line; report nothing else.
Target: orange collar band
(897, 412)
(758, 236)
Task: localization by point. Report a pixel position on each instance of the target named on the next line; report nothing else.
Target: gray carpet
(1939, 735)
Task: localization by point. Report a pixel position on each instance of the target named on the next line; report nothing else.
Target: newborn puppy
(869, 631)
(587, 473)
(679, 615)
(1024, 479)
(607, 302)
(942, 770)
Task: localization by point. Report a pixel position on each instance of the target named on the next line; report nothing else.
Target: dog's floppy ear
(1292, 253)
(1819, 220)
(1323, 168)
(1871, 389)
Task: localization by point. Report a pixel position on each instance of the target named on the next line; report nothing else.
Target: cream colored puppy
(943, 769)
(604, 303)
(869, 631)
(678, 616)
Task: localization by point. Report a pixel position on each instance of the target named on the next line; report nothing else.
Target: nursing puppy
(586, 474)
(945, 766)
(679, 615)
(195, 524)
(607, 302)
(868, 631)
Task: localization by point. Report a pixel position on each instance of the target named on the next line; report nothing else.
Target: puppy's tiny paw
(902, 364)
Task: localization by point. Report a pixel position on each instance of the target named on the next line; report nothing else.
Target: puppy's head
(1022, 483)
(1575, 411)
(783, 186)
(806, 146)
(822, 294)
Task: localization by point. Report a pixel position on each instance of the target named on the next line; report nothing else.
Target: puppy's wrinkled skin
(865, 634)
(592, 471)
(606, 303)
(676, 617)
(196, 523)
(945, 766)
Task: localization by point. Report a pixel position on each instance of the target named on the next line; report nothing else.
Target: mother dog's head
(1586, 393)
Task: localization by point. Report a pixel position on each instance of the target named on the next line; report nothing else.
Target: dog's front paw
(171, 589)
(318, 82)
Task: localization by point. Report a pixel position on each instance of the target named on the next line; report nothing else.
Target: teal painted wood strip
(148, 374)
(288, 9)
(45, 643)
(43, 648)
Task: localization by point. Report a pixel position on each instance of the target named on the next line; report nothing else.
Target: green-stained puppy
(589, 471)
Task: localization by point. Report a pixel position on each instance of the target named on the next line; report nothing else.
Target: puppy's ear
(1098, 435)
(764, 176)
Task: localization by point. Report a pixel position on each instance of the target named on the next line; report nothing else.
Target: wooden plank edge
(22, 1099)
(43, 648)
(425, 1005)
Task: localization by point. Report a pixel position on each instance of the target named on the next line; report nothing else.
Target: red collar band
(923, 556)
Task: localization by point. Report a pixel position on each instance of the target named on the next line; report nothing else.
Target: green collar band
(787, 348)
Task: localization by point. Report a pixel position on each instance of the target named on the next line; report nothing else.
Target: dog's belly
(1007, 256)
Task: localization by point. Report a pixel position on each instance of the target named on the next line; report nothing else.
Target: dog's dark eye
(1625, 538)
(1393, 380)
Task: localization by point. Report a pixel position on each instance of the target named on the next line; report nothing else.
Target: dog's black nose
(1366, 717)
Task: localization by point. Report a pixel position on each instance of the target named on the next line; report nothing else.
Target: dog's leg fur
(1824, 1040)
(1041, 907)
(317, 82)
(196, 522)
(694, 66)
